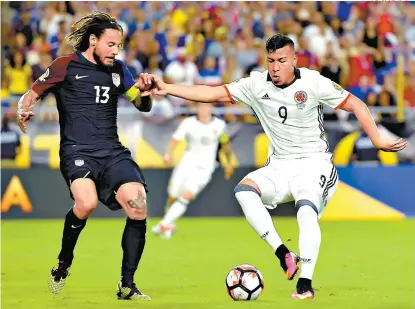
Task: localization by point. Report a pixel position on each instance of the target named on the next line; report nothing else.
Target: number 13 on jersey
(102, 95)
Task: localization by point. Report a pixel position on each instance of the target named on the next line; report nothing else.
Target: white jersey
(202, 141)
(291, 116)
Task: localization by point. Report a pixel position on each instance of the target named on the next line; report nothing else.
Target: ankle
(281, 251)
(127, 282)
(304, 283)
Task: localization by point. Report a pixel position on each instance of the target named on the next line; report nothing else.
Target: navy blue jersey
(87, 97)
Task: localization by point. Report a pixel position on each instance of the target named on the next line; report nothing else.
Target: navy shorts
(108, 168)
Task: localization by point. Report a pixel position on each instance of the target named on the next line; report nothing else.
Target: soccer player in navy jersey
(95, 165)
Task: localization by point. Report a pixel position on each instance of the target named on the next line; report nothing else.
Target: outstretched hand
(145, 83)
(391, 145)
(149, 83)
(159, 86)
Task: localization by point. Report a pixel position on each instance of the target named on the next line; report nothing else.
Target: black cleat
(130, 292)
(57, 277)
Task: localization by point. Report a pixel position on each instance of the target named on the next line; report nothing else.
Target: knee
(84, 205)
(137, 206)
(306, 210)
(187, 195)
(247, 185)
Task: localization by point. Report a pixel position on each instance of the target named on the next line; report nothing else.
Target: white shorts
(285, 180)
(188, 178)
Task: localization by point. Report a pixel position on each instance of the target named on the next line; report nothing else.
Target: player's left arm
(333, 95)
(368, 124)
(137, 92)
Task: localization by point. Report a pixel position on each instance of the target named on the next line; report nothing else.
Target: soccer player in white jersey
(288, 103)
(203, 134)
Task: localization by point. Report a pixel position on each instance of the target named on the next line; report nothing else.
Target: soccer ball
(244, 282)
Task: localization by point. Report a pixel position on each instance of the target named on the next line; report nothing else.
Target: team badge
(300, 98)
(337, 87)
(79, 162)
(44, 76)
(116, 79)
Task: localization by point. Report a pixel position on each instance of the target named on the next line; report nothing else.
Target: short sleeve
(240, 91)
(130, 91)
(54, 75)
(182, 129)
(331, 93)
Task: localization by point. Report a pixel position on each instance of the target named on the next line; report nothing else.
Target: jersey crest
(337, 87)
(44, 76)
(116, 79)
(300, 97)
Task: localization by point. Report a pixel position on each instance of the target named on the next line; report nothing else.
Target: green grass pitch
(362, 264)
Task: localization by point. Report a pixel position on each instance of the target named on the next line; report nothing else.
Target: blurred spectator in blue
(139, 22)
(23, 25)
(133, 64)
(210, 74)
(362, 89)
(57, 39)
(10, 140)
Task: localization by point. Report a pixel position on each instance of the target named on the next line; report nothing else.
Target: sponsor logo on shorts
(79, 162)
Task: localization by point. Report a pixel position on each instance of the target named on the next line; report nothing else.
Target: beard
(99, 62)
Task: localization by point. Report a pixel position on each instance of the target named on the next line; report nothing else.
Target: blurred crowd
(356, 44)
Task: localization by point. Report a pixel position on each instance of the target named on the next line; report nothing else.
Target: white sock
(258, 217)
(309, 240)
(176, 210)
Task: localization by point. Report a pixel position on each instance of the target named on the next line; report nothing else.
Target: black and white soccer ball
(244, 282)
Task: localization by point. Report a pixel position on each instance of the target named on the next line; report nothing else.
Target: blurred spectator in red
(409, 93)
(360, 63)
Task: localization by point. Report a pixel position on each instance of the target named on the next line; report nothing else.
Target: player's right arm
(236, 92)
(25, 108)
(53, 76)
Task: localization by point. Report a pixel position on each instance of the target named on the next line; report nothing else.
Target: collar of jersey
(297, 75)
(83, 59)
